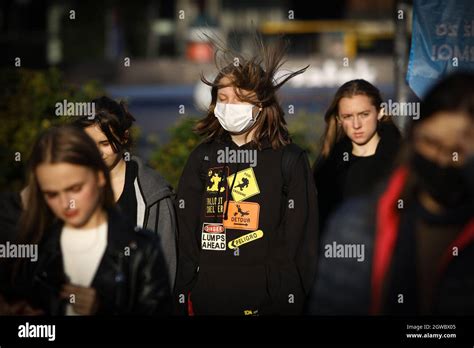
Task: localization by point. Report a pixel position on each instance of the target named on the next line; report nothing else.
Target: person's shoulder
(203, 147)
(150, 178)
(390, 131)
(10, 199)
(145, 236)
(293, 157)
(121, 227)
(293, 147)
(126, 233)
(291, 153)
(335, 159)
(390, 126)
(146, 241)
(202, 152)
(390, 140)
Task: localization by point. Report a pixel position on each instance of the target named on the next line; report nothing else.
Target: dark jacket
(10, 211)
(272, 270)
(131, 278)
(345, 286)
(343, 175)
(155, 211)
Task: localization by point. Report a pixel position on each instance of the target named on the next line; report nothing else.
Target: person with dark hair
(140, 192)
(417, 231)
(358, 146)
(87, 251)
(247, 204)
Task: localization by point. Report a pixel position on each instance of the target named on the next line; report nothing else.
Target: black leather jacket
(131, 278)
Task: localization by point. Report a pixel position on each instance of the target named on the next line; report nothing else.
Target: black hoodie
(261, 259)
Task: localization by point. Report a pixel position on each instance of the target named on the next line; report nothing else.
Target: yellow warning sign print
(246, 238)
(245, 185)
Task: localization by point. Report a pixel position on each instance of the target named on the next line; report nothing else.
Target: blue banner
(442, 41)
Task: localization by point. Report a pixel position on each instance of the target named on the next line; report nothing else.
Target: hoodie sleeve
(188, 211)
(301, 234)
(167, 231)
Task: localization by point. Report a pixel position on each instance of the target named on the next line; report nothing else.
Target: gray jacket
(155, 211)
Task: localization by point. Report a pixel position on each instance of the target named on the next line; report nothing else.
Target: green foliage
(306, 130)
(27, 107)
(169, 159)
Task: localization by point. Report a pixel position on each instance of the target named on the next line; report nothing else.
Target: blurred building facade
(155, 41)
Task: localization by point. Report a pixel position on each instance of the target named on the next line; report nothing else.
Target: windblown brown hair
(256, 74)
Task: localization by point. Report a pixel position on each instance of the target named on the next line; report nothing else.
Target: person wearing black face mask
(417, 231)
(445, 184)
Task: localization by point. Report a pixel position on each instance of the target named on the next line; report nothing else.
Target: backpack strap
(205, 157)
(291, 155)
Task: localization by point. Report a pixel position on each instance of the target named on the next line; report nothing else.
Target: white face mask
(235, 118)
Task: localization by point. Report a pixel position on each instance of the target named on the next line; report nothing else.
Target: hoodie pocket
(231, 290)
(290, 295)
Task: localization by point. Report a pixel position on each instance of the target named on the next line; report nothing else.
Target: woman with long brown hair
(91, 260)
(247, 212)
(358, 146)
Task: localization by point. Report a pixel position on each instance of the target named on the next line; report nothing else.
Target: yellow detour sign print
(246, 238)
(245, 185)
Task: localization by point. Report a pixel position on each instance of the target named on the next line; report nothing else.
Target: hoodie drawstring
(226, 210)
(224, 179)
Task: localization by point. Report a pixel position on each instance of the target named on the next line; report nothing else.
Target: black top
(10, 211)
(343, 175)
(128, 200)
(362, 173)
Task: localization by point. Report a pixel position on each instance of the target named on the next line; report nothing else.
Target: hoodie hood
(154, 187)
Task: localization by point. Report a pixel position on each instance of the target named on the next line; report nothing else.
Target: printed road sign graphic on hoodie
(245, 185)
(245, 251)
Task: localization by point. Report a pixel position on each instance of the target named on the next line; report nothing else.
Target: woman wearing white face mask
(247, 211)
(235, 118)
